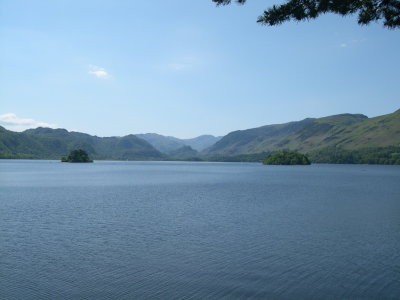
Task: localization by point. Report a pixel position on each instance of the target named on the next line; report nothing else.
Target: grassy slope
(346, 131)
(380, 131)
(255, 140)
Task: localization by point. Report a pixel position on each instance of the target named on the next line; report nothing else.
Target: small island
(77, 156)
(287, 158)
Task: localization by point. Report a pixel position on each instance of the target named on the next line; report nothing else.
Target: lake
(182, 230)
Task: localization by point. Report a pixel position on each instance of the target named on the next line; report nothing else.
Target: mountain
(345, 131)
(167, 144)
(47, 143)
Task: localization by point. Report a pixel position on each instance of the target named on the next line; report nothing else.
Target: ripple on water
(198, 231)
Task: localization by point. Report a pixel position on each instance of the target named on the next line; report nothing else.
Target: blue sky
(185, 68)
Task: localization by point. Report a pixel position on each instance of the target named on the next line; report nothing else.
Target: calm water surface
(167, 230)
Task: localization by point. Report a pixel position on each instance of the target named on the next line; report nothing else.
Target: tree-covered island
(286, 158)
(77, 156)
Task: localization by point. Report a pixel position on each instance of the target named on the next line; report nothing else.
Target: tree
(77, 156)
(286, 158)
(368, 10)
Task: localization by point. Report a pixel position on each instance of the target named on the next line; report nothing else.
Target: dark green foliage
(286, 158)
(376, 155)
(298, 10)
(77, 156)
(254, 157)
(372, 155)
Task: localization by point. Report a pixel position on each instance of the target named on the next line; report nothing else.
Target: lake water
(179, 230)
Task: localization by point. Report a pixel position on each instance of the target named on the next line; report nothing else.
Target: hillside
(345, 131)
(46, 143)
(184, 152)
(380, 131)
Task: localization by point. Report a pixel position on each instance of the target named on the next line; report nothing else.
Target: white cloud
(12, 122)
(99, 72)
(352, 43)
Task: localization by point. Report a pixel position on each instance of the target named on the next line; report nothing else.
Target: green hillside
(345, 132)
(184, 152)
(380, 131)
(46, 143)
(256, 140)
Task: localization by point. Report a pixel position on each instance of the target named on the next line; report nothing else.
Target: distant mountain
(202, 142)
(345, 131)
(162, 143)
(47, 143)
(167, 144)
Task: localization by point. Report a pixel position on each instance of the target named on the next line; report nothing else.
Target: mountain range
(47, 143)
(345, 138)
